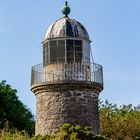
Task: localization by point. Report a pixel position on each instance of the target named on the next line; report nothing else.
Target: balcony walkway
(87, 73)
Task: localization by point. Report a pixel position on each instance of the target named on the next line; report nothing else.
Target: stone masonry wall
(73, 106)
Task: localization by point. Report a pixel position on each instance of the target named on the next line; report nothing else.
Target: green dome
(66, 9)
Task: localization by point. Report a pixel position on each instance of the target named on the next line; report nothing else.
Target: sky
(113, 27)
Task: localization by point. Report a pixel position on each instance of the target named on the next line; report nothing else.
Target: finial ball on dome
(66, 9)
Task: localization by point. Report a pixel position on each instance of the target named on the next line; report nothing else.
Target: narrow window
(45, 54)
(70, 50)
(78, 50)
(74, 50)
(57, 51)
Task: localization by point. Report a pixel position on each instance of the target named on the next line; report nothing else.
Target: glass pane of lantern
(70, 57)
(45, 54)
(53, 54)
(78, 55)
(69, 42)
(57, 52)
(61, 42)
(69, 54)
(60, 54)
(78, 48)
(78, 42)
(53, 43)
(69, 48)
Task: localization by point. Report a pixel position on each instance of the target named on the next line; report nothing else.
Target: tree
(13, 114)
(119, 123)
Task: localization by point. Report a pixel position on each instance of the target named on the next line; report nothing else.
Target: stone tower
(68, 83)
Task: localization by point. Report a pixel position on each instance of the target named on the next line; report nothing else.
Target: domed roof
(66, 27)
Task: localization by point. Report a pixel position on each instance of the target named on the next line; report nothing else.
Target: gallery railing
(70, 72)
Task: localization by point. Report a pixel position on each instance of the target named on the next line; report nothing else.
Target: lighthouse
(68, 82)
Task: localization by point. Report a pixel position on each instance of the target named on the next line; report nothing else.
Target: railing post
(53, 77)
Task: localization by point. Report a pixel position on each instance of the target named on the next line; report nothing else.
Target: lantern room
(66, 41)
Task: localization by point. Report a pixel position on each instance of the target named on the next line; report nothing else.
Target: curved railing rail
(71, 72)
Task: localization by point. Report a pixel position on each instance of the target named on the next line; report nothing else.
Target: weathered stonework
(78, 107)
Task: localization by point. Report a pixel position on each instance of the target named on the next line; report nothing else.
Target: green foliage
(39, 137)
(70, 132)
(13, 135)
(13, 114)
(119, 123)
(66, 132)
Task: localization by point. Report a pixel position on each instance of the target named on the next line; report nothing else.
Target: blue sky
(113, 26)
